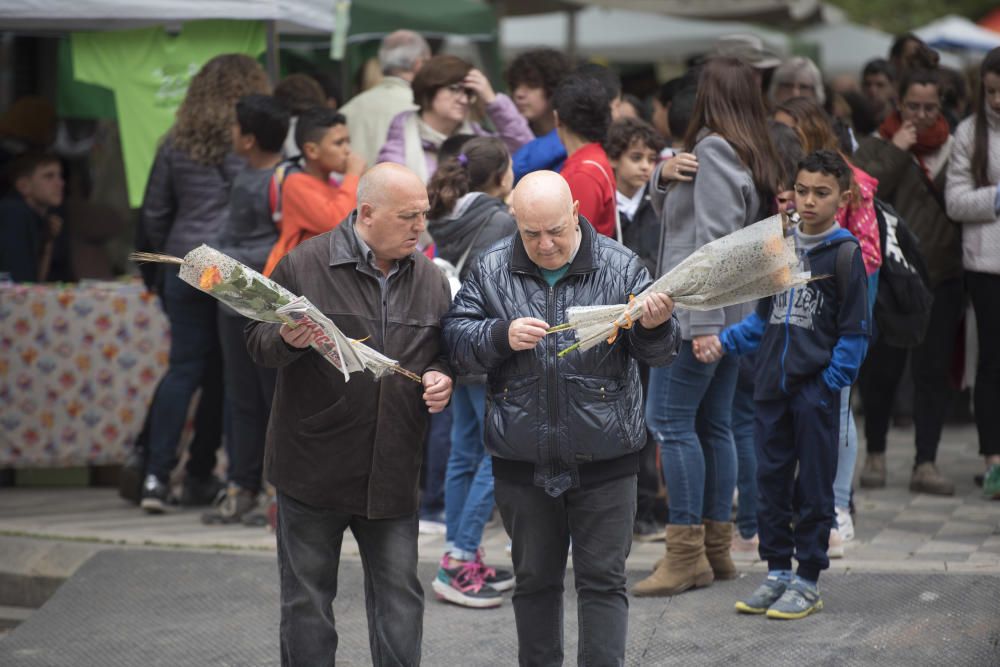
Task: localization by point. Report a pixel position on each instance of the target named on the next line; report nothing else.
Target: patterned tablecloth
(78, 368)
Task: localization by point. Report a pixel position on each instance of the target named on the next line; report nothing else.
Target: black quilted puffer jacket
(556, 413)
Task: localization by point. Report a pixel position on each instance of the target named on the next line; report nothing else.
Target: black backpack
(903, 303)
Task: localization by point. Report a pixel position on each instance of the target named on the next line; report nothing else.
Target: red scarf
(928, 140)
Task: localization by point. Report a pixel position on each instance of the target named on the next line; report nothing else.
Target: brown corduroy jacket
(354, 447)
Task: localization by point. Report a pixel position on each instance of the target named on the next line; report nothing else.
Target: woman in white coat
(972, 197)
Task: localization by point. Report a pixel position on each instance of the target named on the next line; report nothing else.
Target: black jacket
(561, 419)
(641, 232)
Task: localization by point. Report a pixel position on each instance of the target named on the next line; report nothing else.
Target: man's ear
(555, 114)
(365, 213)
(576, 209)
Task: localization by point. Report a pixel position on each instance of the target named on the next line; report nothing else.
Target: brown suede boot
(684, 567)
(718, 540)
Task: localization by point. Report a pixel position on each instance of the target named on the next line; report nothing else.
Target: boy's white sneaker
(845, 524)
(836, 546)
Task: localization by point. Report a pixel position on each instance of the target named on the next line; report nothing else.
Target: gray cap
(748, 48)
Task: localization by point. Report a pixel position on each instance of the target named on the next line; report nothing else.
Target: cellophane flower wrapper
(752, 263)
(259, 298)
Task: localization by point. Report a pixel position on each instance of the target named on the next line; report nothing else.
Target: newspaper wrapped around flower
(752, 263)
(259, 298)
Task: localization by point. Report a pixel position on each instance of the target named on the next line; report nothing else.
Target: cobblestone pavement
(180, 593)
(896, 530)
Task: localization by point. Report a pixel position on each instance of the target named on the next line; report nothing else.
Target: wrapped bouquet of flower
(258, 298)
(752, 263)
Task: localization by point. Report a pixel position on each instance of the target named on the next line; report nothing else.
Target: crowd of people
(564, 193)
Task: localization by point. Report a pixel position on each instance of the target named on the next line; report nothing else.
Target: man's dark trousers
(599, 520)
(309, 541)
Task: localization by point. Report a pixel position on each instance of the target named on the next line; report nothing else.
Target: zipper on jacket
(552, 352)
(788, 335)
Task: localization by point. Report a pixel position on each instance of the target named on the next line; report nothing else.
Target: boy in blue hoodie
(810, 343)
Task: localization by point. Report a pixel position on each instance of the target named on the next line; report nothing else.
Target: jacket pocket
(513, 422)
(329, 420)
(599, 419)
(817, 394)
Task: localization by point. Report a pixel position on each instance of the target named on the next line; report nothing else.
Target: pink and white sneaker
(500, 580)
(465, 585)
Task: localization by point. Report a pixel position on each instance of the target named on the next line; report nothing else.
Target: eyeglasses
(458, 89)
(930, 108)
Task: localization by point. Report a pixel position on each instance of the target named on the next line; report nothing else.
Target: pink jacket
(861, 221)
(511, 126)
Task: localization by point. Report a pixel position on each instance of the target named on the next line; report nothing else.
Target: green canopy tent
(370, 20)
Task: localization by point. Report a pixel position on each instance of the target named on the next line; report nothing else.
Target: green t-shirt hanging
(149, 70)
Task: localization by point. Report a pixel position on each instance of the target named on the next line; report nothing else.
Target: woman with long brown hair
(689, 406)
(186, 202)
(972, 198)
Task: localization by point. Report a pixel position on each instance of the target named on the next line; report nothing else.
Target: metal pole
(273, 56)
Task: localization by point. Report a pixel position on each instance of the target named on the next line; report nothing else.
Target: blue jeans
(195, 361)
(746, 458)
(468, 486)
(848, 449)
(436, 449)
(598, 519)
(309, 542)
(689, 411)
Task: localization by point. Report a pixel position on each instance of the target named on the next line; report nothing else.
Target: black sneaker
(201, 492)
(155, 495)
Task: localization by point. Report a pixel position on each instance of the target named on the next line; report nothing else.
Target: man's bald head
(546, 218)
(392, 211)
(385, 180)
(543, 193)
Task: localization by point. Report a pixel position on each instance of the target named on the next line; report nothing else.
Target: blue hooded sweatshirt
(811, 332)
(544, 152)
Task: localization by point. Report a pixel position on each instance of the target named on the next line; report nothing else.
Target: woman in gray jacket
(972, 197)
(690, 402)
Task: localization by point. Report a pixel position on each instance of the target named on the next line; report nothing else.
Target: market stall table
(78, 368)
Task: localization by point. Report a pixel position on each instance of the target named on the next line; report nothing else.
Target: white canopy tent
(625, 36)
(956, 33)
(770, 11)
(291, 16)
(845, 48)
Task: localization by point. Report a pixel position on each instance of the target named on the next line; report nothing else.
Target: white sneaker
(845, 524)
(426, 527)
(836, 547)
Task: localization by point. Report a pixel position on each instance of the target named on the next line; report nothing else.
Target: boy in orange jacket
(309, 204)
